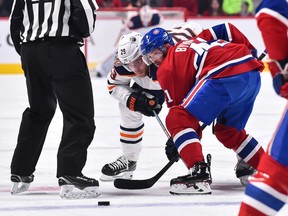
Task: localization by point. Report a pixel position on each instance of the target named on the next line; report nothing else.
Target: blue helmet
(156, 38)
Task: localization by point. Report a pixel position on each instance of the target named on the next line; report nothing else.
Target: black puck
(103, 203)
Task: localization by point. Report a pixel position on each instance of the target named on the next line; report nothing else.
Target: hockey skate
(243, 171)
(121, 168)
(78, 187)
(196, 182)
(20, 183)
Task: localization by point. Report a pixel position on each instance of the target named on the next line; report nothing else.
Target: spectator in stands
(190, 5)
(203, 7)
(125, 2)
(109, 3)
(245, 9)
(167, 3)
(142, 3)
(130, 4)
(157, 3)
(234, 7)
(136, 3)
(214, 9)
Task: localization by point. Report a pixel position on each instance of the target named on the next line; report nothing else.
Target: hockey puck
(103, 203)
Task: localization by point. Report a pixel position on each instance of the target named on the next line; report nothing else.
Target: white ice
(42, 197)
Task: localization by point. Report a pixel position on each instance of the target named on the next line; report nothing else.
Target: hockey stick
(133, 184)
(161, 124)
(263, 54)
(146, 183)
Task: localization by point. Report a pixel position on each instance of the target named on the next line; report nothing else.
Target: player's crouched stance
(203, 84)
(130, 82)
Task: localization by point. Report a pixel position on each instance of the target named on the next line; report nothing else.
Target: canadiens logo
(156, 31)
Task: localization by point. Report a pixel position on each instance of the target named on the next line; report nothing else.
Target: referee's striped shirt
(34, 19)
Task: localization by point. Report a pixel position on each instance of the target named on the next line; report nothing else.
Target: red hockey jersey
(190, 61)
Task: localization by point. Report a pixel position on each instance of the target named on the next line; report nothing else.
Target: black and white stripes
(34, 19)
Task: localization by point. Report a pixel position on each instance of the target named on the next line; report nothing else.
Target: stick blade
(131, 184)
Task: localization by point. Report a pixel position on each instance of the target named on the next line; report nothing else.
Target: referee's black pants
(55, 71)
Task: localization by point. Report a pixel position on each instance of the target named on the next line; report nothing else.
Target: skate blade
(199, 188)
(72, 192)
(19, 187)
(124, 175)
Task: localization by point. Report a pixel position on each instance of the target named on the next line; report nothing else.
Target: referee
(47, 34)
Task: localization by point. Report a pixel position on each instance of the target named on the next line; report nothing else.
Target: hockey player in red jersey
(267, 191)
(203, 81)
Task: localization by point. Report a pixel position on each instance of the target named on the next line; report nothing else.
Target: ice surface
(42, 197)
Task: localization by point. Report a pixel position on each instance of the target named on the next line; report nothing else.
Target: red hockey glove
(141, 103)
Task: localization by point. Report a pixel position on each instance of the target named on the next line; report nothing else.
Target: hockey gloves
(141, 103)
(279, 71)
(170, 150)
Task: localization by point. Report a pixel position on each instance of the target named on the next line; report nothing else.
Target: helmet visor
(135, 65)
